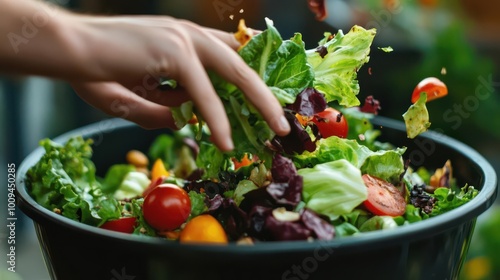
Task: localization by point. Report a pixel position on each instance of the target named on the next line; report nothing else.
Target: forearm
(37, 38)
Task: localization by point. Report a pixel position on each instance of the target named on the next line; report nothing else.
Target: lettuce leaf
(336, 72)
(385, 164)
(281, 64)
(333, 189)
(64, 179)
(417, 117)
(448, 199)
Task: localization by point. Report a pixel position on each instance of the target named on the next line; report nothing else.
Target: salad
(329, 178)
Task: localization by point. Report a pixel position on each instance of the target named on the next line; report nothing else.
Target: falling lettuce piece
(417, 117)
(334, 188)
(387, 49)
(336, 72)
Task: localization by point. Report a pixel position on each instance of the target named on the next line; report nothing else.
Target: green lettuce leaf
(64, 178)
(417, 117)
(448, 199)
(336, 72)
(385, 164)
(198, 205)
(333, 189)
(114, 177)
(281, 64)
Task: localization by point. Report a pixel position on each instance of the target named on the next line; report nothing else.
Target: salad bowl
(431, 249)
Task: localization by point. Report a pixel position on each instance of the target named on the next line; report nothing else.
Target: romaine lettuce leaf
(334, 188)
(281, 64)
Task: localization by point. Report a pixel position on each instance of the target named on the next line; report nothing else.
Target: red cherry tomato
(125, 225)
(166, 207)
(433, 87)
(384, 199)
(331, 122)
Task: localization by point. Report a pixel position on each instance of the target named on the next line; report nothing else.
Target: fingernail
(226, 145)
(283, 124)
(229, 146)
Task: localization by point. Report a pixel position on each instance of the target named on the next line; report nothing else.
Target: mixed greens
(329, 178)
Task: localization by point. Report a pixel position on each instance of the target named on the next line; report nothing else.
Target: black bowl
(432, 249)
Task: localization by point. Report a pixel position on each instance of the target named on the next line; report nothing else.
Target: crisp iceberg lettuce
(385, 164)
(334, 188)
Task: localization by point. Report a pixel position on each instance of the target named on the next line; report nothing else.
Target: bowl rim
(376, 239)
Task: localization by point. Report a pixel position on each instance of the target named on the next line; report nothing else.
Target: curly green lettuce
(64, 180)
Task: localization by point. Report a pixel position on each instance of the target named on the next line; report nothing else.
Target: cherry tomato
(331, 122)
(166, 207)
(434, 88)
(384, 199)
(203, 229)
(125, 225)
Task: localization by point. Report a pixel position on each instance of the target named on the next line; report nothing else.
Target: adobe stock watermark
(31, 25)
(310, 264)
(455, 116)
(222, 7)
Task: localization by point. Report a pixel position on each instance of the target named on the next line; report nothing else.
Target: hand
(130, 54)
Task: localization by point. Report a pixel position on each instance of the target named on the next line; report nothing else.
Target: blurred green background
(456, 41)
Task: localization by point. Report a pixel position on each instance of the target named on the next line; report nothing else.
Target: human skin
(115, 63)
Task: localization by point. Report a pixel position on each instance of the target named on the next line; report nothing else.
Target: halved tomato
(433, 87)
(384, 199)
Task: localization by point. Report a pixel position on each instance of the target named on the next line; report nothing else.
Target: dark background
(427, 36)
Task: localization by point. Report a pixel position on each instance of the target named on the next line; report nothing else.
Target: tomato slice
(125, 225)
(433, 87)
(384, 199)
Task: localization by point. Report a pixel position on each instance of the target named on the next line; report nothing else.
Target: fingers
(232, 68)
(227, 38)
(196, 82)
(118, 101)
